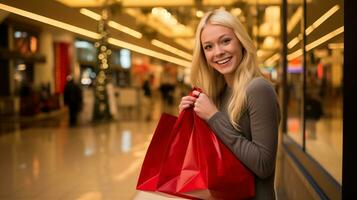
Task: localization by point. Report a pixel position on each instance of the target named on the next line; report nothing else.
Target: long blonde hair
(211, 81)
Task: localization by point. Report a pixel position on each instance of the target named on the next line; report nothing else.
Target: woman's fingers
(186, 102)
(196, 93)
(188, 99)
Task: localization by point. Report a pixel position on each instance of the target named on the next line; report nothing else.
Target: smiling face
(222, 49)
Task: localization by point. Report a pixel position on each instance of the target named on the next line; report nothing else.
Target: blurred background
(130, 60)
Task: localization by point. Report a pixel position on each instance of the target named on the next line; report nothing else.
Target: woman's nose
(218, 51)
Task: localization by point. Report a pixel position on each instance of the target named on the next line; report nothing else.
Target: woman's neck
(229, 80)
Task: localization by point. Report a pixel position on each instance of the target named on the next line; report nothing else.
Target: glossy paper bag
(186, 159)
(151, 166)
(197, 164)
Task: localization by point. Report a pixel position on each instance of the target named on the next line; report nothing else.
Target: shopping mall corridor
(43, 158)
(50, 160)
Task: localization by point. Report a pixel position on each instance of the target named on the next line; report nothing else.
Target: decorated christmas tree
(101, 104)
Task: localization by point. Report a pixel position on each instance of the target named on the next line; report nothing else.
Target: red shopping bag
(154, 156)
(196, 164)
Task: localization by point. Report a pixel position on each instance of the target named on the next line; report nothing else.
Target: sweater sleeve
(259, 153)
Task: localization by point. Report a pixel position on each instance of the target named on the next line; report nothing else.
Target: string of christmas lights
(101, 105)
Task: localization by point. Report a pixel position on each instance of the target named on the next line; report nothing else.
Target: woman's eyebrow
(220, 37)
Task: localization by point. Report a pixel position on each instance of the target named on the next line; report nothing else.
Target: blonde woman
(237, 102)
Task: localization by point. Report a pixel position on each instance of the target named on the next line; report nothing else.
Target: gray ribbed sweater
(256, 144)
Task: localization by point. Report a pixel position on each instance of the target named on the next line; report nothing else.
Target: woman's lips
(223, 61)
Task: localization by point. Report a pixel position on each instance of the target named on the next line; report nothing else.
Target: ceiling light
(269, 42)
(324, 38)
(112, 24)
(322, 19)
(294, 19)
(149, 52)
(313, 26)
(171, 49)
(236, 12)
(336, 45)
(270, 61)
(199, 13)
(316, 43)
(155, 22)
(293, 42)
(272, 14)
(294, 55)
(164, 16)
(50, 21)
(125, 29)
(94, 35)
(90, 14)
(188, 43)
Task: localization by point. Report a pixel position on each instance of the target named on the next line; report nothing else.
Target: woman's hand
(186, 102)
(204, 106)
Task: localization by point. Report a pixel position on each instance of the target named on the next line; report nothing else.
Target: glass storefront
(314, 81)
(295, 73)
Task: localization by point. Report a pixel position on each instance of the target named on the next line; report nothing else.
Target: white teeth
(223, 61)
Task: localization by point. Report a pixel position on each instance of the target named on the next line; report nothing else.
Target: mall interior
(130, 60)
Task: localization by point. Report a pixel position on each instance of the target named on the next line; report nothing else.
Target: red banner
(62, 65)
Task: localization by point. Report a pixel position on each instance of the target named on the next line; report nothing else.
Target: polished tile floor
(89, 162)
(49, 160)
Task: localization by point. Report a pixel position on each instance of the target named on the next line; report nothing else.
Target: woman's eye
(226, 41)
(207, 47)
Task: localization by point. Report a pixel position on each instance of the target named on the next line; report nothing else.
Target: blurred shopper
(29, 100)
(73, 98)
(237, 102)
(168, 84)
(313, 112)
(45, 97)
(147, 88)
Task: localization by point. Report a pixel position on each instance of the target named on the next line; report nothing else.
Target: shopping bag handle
(196, 89)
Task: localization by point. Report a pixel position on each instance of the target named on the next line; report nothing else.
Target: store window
(87, 58)
(121, 62)
(122, 58)
(323, 94)
(125, 58)
(314, 81)
(23, 76)
(295, 72)
(25, 41)
(86, 51)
